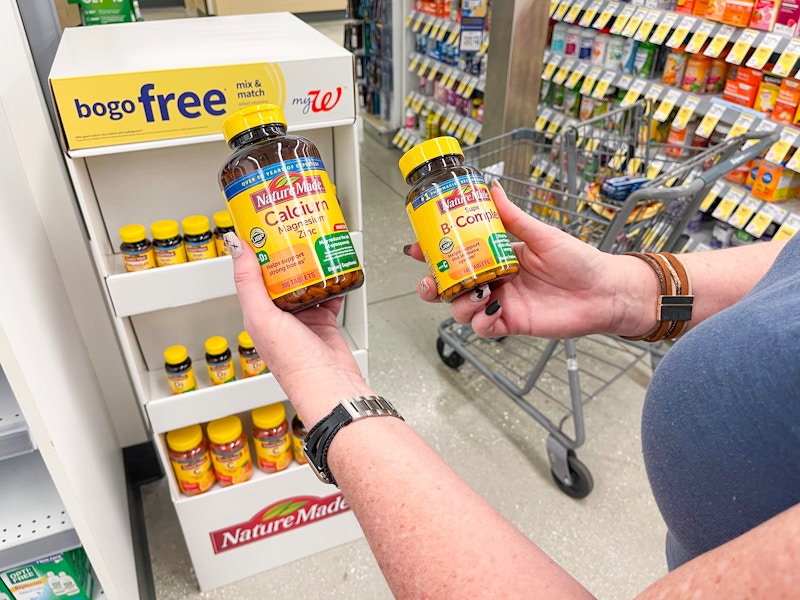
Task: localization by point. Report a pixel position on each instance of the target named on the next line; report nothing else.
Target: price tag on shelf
(602, 86)
(768, 213)
(744, 212)
(700, 36)
(434, 32)
(454, 38)
(794, 162)
(712, 195)
(709, 122)
(632, 26)
(663, 29)
(728, 204)
(454, 124)
(590, 12)
(685, 112)
(741, 47)
(578, 72)
(763, 126)
(555, 123)
(573, 12)
(426, 28)
(443, 31)
(542, 119)
(418, 22)
(590, 80)
(564, 70)
(462, 86)
(720, 40)
(471, 83)
(605, 16)
(654, 168)
(788, 59)
(777, 153)
(788, 228)
(551, 66)
(413, 63)
(654, 93)
(622, 19)
(592, 144)
(553, 7)
(647, 25)
(633, 93)
(666, 106)
(681, 31)
(561, 10)
(462, 127)
(624, 82)
(424, 66)
(633, 166)
(763, 52)
(741, 125)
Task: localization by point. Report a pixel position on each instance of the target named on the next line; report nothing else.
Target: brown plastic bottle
(283, 203)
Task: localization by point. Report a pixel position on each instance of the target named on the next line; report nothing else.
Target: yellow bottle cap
(223, 218)
(270, 416)
(195, 225)
(224, 430)
(245, 340)
(252, 116)
(421, 153)
(185, 438)
(132, 234)
(164, 230)
(216, 344)
(175, 355)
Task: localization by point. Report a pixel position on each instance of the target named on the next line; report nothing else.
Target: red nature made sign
(278, 518)
(462, 196)
(283, 188)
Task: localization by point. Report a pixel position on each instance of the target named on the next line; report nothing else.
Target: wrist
(636, 298)
(314, 400)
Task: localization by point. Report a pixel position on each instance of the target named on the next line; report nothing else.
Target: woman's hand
(305, 351)
(565, 287)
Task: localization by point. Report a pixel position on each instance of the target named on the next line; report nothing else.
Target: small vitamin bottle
(198, 238)
(191, 462)
(137, 250)
(454, 218)
(230, 453)
(167, 243)
(283, 203)
(299, 433)
(249, 360)
(219, 360)
(180, 372)
(222, 225)
(271, 437)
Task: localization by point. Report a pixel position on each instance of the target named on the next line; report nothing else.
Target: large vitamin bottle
(191, 462)
(230, 452)
(283, 203)
(455, 220)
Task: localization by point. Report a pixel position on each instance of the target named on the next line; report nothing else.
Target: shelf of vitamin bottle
(33, 520)
(14, 436)
(208, 402)
(453, 78)
(405, 139)
(451, 122)
(443, 30)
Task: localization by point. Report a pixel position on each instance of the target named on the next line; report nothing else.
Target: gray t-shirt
(721, 420)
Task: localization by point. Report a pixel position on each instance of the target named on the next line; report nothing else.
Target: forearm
(432, 535)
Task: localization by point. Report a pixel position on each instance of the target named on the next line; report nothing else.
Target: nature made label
(194, 474)
(290, 216)
(459, 230)
(232, 466)
(220, 373)
(182, 381)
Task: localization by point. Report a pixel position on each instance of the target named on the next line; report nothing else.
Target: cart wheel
(582, 482)
(448, 355)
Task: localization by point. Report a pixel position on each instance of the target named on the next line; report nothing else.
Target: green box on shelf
(106, 12)
(66, 575)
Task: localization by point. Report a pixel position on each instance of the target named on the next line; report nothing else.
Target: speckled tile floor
(611, 541)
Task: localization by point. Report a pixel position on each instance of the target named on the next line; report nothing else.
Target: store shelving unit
(464, 84)
(174, 176)
(748, 47)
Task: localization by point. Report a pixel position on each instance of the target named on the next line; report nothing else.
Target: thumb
(517, 222)
(247, 276)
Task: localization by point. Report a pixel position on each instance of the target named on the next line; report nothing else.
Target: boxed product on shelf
(767, 95)
(108, 101)
(787, 101)
(774, 183)
(68, 574)
(788, 17)
(742, 86)
(765, 13)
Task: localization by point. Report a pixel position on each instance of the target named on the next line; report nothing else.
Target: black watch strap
(319, 438)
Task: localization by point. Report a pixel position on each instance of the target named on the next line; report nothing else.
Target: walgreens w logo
(319, 101)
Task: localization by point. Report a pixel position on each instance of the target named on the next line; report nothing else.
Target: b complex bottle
(136, 249)
(282, 202)
(198, 238)
(454, 218)
(167, 243)
(222, 225)
(188, 453)
(219, 361)
(180, 372)
(230, 453)
(249, 360)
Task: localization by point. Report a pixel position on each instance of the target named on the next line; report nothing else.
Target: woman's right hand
(565, 288)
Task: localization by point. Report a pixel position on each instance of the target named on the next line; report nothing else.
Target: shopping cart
(651, 219)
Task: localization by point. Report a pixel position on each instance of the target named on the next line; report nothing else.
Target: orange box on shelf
(715, 10)
(700, 8)
(787, 102)
(737, 13)
(742, 86)
(774, 183)
(685, 6)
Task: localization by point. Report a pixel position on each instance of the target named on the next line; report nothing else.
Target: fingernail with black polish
(492, 308)
(407, 249)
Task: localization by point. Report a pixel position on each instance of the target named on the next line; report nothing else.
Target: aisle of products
(447, 70)
(710, 71)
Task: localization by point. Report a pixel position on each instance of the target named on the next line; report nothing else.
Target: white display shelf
(33, 520)
(14, 436)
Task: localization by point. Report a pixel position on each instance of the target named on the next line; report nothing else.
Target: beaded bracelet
(675, 303)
